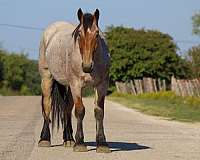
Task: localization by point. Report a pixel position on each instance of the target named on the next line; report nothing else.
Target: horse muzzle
(87, 68)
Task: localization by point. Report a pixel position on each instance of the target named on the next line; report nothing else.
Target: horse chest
(86, 79)
(90, 79)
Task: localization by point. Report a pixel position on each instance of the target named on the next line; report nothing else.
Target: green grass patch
(8, 92)
(164, 104)
(88, 91)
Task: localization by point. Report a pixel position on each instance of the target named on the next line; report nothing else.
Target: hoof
(44, 143)
(103, 149)
(69, 143)
(80, 148)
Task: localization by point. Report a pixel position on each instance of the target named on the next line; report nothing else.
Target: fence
(138, 86)
(182, 87)
(185, 87)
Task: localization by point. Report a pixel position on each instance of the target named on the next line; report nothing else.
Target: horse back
(56, 27)
(53, 47)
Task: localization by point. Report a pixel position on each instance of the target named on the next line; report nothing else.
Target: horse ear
(79, 14)
(96, 14)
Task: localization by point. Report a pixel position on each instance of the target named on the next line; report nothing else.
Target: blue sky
(169, 16)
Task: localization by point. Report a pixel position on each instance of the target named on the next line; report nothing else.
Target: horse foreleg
(45, 137)
(79, 113)
(102, 146)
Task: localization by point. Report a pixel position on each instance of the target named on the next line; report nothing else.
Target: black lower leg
(100, 136)
(68, 131)
(79, 113)
(45, 134)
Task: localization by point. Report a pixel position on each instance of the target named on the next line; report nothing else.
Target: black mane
(87, 23)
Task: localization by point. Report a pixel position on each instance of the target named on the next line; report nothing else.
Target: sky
(168, 16)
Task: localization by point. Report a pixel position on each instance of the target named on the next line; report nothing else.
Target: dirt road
(130, 134)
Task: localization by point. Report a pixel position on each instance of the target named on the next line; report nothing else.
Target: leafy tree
(143, 53)
(32, 77)
(1, 67)
(18, 74)
(13, 67)
(194, 60)
(196, 23)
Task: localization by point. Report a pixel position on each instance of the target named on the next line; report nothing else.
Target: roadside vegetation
(135, 53)
(149, 53)
(18, 74)
(164, 104)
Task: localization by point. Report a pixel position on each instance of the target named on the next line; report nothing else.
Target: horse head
(87, 34)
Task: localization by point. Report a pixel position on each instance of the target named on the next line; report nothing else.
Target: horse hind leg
(46, 86)
(62, 105)
(68, 131)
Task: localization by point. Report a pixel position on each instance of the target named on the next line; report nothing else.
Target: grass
(8, 92)
(164, 104)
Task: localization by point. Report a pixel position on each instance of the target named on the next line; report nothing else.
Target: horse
(72, 57)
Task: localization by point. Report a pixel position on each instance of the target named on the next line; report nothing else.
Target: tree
(32, 77)
(14, 74)
(18, 74)
(194, 60)
(196, 23)
(143, 53)
(1, 67)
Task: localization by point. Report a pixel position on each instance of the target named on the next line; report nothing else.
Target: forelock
(87, 21)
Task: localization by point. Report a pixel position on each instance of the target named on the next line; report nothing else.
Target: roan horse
(71, 58)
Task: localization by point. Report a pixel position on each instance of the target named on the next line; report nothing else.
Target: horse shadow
(121, 146)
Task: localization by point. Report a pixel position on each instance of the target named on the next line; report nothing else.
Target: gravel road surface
(131, 135)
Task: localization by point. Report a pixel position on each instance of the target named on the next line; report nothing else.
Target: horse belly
(57, 67)
(58, 62)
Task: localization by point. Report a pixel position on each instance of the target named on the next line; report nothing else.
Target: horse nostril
(92, 65)
(87, 68)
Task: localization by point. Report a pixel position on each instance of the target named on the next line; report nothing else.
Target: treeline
(144, 53)
(18, 75)
(148, 53)
(134, 54)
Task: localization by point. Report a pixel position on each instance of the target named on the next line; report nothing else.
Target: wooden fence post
(133, 88)
(148, 85)
(181, 87)
(155, 86)
(138, 86)
(159, 85)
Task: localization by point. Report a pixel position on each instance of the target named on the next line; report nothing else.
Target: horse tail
(60, 100)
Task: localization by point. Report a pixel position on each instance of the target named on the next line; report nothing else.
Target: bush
(143, 53)
(18, 74)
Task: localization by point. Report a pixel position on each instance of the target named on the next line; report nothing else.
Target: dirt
(130, 134)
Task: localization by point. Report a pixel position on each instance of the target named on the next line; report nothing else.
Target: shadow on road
(121, 146)
(57, 145)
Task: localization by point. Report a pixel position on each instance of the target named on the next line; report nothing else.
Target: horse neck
(101, 54)
(98, 52)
